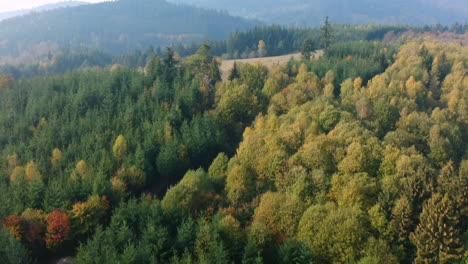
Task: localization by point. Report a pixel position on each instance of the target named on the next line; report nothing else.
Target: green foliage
(358, 161)
(326, 36)
(11, 250)
(188, 194)
(307, 48)
(437, 238)
(334, 234)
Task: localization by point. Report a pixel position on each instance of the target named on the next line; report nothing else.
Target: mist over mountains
(311, 12)
(116, 27)
(6, 15)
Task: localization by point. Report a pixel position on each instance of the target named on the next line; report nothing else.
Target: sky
(11, 5)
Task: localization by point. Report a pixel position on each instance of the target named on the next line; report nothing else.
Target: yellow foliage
(329, 90)
(56, 156)
(357, 83)
(87, 215)
(31, 172)
(354, 190)
(279, 212)
(413, 87)
(120, 147)
(240, 185)
(17, 174)
(82, 168)
(135, 177)
(118, 185)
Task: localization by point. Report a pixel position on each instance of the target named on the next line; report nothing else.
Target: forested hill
(115, 27)
(21, 12)
(359, 156)
(311, 12)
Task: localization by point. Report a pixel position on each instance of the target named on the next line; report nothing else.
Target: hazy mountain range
(311, 12)
(125, 25)
(117, 26)
(6, 15)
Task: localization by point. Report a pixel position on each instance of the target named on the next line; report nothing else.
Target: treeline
(257, 42)
(276, 40)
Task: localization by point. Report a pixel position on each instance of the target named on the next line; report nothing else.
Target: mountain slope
(311, 12)
(22, 12)
(116, 27)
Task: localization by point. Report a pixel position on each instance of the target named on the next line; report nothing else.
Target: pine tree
(234, 73)
(307, 48)
(326, 37)
(437, 238)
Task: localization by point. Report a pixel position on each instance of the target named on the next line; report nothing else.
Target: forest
(310, 12)
(359, 156)
(115, 27)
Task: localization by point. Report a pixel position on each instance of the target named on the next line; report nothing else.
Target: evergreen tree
(326, 36)
(307, 49)
(437, 237)
(234, 74)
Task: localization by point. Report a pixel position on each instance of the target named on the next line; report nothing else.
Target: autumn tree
(56, 156)
(334, 234)
(120, 148)
(14, 224)
(58, 228)
(85, 216)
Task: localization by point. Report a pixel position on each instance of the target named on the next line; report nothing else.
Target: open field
(269, 62)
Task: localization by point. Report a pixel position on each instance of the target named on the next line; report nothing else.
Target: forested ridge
(309, 12)
(359, 156)
(113, 26)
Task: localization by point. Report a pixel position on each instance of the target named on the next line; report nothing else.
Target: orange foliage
(14, 224)
(58, 228)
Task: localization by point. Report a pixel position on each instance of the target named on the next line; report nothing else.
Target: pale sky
(11, 5)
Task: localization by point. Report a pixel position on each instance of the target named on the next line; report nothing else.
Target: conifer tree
(234, 72)
(437, 238)
(326, 36)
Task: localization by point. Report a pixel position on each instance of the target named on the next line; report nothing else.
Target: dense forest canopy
(358, 156)
(310, 12)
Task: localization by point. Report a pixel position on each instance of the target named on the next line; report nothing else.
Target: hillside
(114, 27)
(311, 12)
(6, 15)
(359, 156)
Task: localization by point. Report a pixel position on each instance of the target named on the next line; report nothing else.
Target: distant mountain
(116, 27)
(21, 12)
(311, 12)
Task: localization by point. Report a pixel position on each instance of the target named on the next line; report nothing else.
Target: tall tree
(326, 36)
(437, 237)
(234, 72)
(307, 48)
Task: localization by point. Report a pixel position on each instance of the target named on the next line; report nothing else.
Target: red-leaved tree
(58, 228)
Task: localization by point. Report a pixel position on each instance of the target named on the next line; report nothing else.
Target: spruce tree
(326, 37)
(437, 237)
(234, 73)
